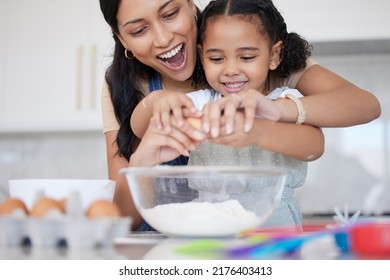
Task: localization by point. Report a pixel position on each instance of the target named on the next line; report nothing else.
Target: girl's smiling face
(236, 56)
(160, 34)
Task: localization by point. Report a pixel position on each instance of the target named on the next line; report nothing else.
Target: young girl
(242, 43)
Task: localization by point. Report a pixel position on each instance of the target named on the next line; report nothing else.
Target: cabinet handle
(79, 74)
(92, 77)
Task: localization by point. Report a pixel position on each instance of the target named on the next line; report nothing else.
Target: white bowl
(205, 201)
(89, 190)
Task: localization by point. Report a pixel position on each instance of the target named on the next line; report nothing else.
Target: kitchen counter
(153, 246)
(165, 248)
(156, 246)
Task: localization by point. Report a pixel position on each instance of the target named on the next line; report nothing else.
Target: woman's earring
(129, 58)
(196, 17)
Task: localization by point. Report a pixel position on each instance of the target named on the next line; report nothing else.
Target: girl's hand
(239, 137)
(173, 104)
(252, 102)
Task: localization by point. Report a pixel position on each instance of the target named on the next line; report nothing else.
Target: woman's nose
(162, 37)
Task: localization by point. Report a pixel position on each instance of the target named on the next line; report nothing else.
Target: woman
(155, 48)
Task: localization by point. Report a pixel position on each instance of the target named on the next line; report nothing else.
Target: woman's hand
(158, 146)
(252, 102)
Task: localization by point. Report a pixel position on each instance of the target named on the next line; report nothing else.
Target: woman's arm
(331, 101)
(302, 142)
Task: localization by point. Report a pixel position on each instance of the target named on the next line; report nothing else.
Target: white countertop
(153, 246)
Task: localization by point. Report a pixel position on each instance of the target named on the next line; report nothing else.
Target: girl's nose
(162, 37)
(231, 68)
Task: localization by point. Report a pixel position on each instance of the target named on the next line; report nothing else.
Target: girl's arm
(331, 101)
(142, 113)
(302, 142)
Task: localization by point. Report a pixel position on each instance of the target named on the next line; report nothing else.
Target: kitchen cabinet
(2, 44)
(333, 20)
(54, 55)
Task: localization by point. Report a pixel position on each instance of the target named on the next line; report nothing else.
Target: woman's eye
(137, 32)
(172, 14)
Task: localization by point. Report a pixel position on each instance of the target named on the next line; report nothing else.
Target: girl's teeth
(235, 85)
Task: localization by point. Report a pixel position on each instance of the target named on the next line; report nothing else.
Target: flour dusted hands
(252, 102)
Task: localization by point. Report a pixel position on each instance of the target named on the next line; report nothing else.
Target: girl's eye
(248, 58)
(171, 14)
(216, 59)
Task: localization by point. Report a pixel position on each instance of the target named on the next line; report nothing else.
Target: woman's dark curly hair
(295, 50)
(124, 78)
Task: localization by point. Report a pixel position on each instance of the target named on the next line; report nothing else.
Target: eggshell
(44, 205)
(195, 122)
(103, 208)
(11, 204)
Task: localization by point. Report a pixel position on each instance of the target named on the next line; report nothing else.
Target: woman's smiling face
(160, 34)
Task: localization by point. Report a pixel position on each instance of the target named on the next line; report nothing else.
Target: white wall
(355, 167)
(52, 155)
(321, 20)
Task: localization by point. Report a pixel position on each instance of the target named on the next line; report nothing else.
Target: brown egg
(62, 203)
(195, 123)
(44, 205)
(10, 204)
(103, 208)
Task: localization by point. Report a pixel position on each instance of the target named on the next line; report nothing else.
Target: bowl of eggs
(205, 201)
(47, 213)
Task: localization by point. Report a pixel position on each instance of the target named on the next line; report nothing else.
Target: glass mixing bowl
(205, 201)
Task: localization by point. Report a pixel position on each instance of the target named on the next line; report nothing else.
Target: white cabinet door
(2, 58)
(53, 65)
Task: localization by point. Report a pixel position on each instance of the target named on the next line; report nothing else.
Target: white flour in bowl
(201, 218)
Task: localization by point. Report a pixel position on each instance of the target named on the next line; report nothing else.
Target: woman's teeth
(172, 53)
